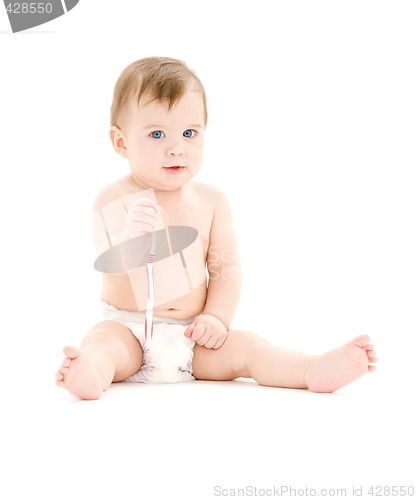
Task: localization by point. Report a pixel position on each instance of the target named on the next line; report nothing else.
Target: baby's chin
(171, 179)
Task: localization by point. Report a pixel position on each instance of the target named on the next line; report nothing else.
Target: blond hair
(162, 78)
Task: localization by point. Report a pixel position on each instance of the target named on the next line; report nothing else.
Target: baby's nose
(176, 150)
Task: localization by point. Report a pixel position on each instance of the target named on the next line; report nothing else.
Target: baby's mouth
(174, 170)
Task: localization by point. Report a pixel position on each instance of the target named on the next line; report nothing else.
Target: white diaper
(169, 359)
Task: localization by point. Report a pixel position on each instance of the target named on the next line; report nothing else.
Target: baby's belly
(123, 292)
(180, 283)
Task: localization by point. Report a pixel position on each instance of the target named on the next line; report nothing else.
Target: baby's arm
(223, 266)
(211, 328)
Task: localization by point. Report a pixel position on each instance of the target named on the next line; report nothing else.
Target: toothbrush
(148, 326)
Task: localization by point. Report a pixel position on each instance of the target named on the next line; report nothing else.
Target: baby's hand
(208, 331)
(144, 217)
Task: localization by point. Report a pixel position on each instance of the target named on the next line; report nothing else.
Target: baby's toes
(372, 358)
(368, 347)
(66, 362)
(71, 352)
(362, 341)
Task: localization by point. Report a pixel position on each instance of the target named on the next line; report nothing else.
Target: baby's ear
(118, 141)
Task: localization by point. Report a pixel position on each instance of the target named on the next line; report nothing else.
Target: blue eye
(189, 133)
(157, 134)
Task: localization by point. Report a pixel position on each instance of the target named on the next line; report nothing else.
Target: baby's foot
(339, 367)
(78, 375)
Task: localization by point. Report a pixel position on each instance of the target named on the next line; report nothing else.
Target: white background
(311, 134)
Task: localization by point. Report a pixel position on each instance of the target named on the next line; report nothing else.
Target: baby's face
(165, 147)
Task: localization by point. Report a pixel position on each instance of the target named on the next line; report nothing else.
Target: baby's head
(159, 79)
(158, 119)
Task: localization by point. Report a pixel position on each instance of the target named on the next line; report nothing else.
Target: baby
(157, 226)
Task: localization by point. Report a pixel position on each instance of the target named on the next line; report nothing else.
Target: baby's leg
(244, 354)
(247, 355)
(109, 353)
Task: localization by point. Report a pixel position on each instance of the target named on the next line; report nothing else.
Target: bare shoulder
(210, 194)
(118, 189)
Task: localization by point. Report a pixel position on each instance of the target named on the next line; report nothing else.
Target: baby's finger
(198, 332)
(149, 211)
(188, 331)
(211, 343)
(204, 340)
(144, 202)
(219, 343)
(139, 217)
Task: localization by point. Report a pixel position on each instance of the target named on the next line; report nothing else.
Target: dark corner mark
(26, 15)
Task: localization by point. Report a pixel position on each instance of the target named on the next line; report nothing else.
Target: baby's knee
(245, 346)
(247, 340)
(105, 331)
